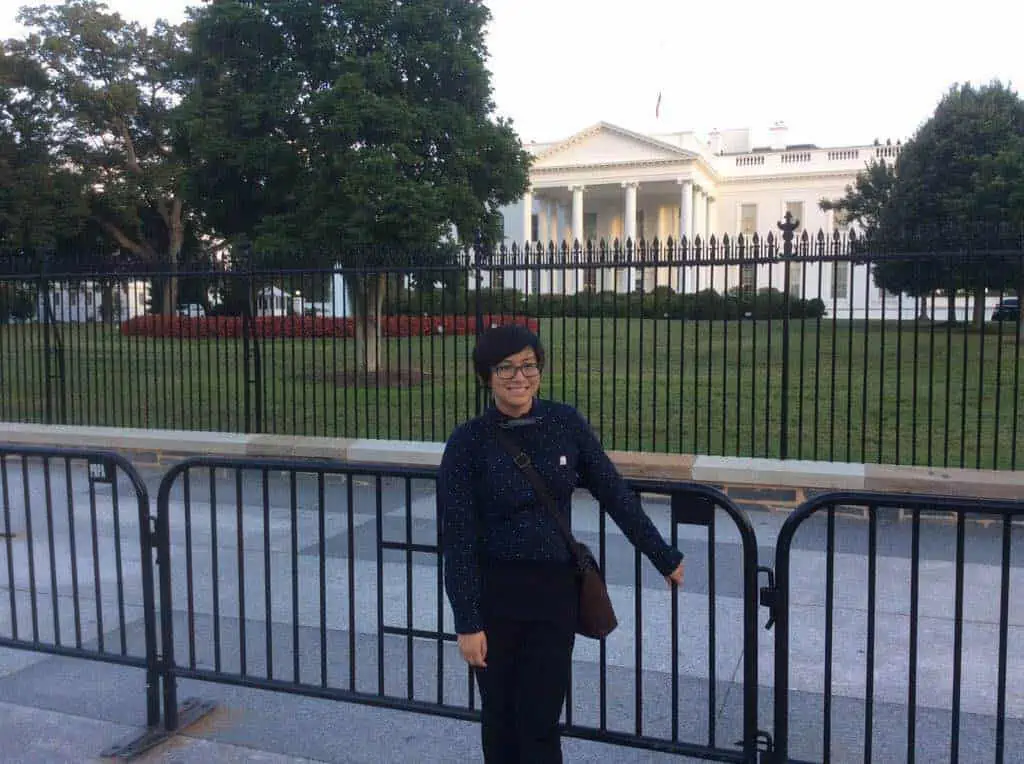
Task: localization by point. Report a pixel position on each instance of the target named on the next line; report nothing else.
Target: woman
(508, 571)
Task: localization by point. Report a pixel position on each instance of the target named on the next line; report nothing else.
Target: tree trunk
(107, 303)
(978, 318)
(367, 295)
(951, 310)
(175, 241)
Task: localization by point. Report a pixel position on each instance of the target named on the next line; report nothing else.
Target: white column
(629, 219)
(701, 274)
(700, 213)
(710, 230)
(625, 277)
(577, 214)
(547, 227)
(527, 218)
(573, 286)
(686, 209)
(661, 274)
(543, 226)
(685, 224)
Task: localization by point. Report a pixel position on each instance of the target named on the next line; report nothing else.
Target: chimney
(779, 135)
(715, 141)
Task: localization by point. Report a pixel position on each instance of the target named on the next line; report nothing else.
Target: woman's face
(515, 382)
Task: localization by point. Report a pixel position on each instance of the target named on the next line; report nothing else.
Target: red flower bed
(275, 327)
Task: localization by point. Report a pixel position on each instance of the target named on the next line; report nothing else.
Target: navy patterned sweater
(488, 509)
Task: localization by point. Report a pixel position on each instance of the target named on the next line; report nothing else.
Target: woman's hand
(675, 578)
(474, 648)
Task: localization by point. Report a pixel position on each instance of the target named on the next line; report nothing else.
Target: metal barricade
(325, 579)
(73, 522)
(893, 619)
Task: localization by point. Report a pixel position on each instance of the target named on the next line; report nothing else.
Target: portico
(609, 184)
(622, 211)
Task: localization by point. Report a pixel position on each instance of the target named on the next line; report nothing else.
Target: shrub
(436, 302)
(277, 327)
(706, 305)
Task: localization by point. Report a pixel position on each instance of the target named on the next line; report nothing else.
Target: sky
(835, 74)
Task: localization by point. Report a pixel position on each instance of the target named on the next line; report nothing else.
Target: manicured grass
(910, 393)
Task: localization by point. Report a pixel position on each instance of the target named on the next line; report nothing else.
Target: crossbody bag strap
(522, 461)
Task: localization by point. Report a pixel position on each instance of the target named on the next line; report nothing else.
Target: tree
(961, 174)
(41, 203)
(957, 188)
(332, 133)
(866, 199)
(863, 206)
(112, 86)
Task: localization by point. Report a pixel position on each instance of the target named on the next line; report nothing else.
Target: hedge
(435, 302)
(275, 327)
(659, 303)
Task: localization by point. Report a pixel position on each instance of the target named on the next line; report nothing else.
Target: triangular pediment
(605, 144)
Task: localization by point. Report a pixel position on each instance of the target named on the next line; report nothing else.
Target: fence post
(253, 367)
(787, 226)
(52, 346)
(480, 253)
(44, 294)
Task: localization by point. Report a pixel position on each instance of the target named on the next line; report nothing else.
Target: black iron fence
(894, 615)
(746, 346)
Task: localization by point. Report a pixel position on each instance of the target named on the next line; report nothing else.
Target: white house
(274, 301)
(607, 182)
(82, 301)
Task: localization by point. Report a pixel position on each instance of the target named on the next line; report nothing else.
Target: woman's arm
(459, 533)
(602, 479)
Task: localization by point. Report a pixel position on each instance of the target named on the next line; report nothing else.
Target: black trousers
(523, 690)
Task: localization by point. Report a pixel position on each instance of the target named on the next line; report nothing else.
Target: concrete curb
(780, 483)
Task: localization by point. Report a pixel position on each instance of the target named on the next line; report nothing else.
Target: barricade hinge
(769, 595)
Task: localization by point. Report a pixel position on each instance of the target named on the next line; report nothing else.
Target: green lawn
(877, 393)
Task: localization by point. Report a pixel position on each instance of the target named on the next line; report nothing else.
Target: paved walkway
(63, 710)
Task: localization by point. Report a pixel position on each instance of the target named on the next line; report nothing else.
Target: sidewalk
(66, 710)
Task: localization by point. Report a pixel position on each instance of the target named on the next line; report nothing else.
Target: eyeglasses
(508, 370)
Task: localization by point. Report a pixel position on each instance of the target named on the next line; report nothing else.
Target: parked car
(1008, 309)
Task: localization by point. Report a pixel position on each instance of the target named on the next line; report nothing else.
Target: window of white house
(534, 228)
(640, 220)
(748, 277)
(796, 279)
(748, 219)
(796, 209)
(589, 227)
(748, 227)
(796, 270)
(841, 281)
(73, 299)
(840, 220)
